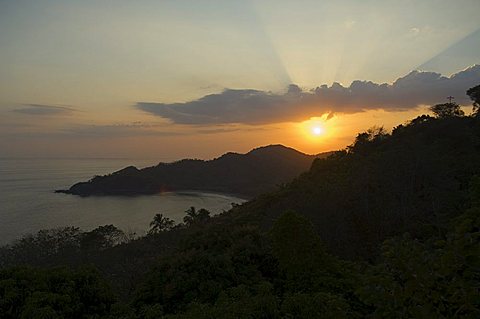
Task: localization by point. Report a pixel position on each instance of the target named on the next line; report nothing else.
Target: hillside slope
(383, 185)
(250, 174)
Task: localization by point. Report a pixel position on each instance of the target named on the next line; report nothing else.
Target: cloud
(116, 130)
(414, 31)
(248, 106)
(220, 130)
(94, 131)
(145, 129)
(41, 109)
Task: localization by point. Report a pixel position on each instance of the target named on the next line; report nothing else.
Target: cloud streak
(248, 106)
(117, 131)
(43, 110)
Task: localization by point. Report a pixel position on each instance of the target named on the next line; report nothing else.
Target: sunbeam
(456, 56)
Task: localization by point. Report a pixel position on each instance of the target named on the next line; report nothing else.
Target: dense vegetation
(413, 180)
(251, 174)
(388, 228)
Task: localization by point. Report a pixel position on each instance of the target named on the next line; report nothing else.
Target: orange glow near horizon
(317, 129)
(339, 130)
(155, 139)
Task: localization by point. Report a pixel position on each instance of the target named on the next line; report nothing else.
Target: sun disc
(317, 130)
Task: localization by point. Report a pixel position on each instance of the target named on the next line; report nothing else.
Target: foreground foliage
(287, 273)
(55, 293)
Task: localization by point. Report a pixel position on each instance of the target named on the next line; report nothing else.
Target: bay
(28, 202)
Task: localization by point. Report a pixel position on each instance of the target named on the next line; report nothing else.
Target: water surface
(28, 203)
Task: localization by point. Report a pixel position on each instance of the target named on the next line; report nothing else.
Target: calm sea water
(28, 203)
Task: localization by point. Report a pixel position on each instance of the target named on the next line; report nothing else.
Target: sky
(173, 79)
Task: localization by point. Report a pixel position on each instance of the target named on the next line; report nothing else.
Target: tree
(27, 292)
(474, 94)
(364, 140)
(194, 216)
(435, 278)
(301, 255)
(101, 238)
(43, 247)
(420, 119)
(316, 284)
(160, 224)
(209, 261)
(444, 110)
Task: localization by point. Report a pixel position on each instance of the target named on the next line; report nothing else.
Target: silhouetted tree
(194, 216)
(420, 119)
(436, 278)
(445, 110)
(129, 235)
(209, 261)
(474, 94)
(41, 248)
(363, 140)
(160, 223)
(102, 237)
(54, 293)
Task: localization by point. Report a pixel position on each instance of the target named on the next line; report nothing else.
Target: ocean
(28, 202)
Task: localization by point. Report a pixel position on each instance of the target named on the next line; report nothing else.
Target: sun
(317, 130)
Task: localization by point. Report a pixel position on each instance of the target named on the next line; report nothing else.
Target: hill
(412, 180)
(247, 175)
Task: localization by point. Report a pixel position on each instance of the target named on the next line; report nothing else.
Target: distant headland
(245, 175)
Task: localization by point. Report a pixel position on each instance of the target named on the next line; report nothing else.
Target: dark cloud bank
(259, 107)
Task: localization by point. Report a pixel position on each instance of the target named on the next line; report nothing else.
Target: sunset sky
(173, 79)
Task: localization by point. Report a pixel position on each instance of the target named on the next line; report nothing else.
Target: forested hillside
(250, 174)
(413, 179)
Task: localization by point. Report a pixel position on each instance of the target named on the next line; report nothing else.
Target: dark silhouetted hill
(411, 180)
(250, 174)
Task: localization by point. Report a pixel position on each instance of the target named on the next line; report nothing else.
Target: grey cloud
(142, 129)
(250, 106)
(41, 109)
(95, 131)
(219, 130)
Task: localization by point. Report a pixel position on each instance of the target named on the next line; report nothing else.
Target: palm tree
(196, 216)
(160, 224)
(191, 215)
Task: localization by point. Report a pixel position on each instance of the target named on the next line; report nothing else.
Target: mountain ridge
(247, 175)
